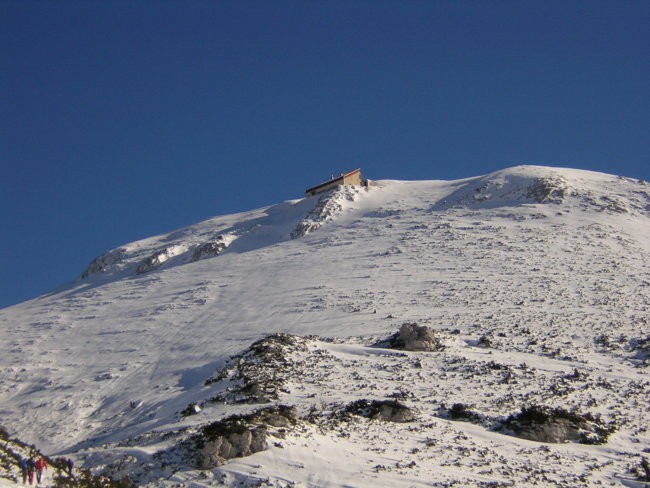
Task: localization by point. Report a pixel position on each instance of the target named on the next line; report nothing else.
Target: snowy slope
(534, 279)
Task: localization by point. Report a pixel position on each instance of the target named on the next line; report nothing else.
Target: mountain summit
(490, 331)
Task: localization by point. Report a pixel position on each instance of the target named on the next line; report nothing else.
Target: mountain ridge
(532, 184)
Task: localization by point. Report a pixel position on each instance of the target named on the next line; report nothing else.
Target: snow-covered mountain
(491, 331)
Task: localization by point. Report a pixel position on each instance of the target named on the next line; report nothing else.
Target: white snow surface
(535, 279)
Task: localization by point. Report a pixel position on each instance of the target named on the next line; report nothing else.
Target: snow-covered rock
(557, 425)
(329, 205)
(104, 262)
(158, 258)
(212, 248)
(238, 436)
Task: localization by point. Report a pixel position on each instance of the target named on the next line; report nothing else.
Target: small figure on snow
(41, 464)
(70, 464)
(23, 469)
(31, 466)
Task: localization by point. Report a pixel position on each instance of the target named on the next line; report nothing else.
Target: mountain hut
(344, 179)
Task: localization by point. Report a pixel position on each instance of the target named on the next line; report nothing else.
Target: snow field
(536, 303)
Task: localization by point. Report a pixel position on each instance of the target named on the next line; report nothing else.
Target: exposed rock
(645, 466)
(484, 341)
(239, 435)
(305, 227)
(102, 263)
(234, 444)
(191, 409)
(512, 188)
(642, 347)
(460, 411)
(261, 371)
(328, 206)
(548, 190)
(152, 262)
(557, 425)
(158, 258)
(603, 203)
(613, 204)
(387, 410)
(210, 249)
(413, 337)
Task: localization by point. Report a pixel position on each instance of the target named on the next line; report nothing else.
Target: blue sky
(122, 120)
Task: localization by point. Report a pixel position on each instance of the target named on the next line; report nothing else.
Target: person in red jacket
(40, 466)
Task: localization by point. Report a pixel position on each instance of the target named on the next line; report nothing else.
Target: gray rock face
(396, 412)
(387, 410)
(102, 263)
(209, 249)
(557, 426)
(240, 436)
(153, 261)
(642, 348)
(329, 205)
(261, 372)
(413, 337)
(554, 431)
(217, 451)
(548, 190)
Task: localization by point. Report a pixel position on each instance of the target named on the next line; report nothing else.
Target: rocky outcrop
(240, 435)
(158, 258)
(414, 337)
(329, 205)
(511, 188)
(386, 410)
(548, 190)
(211, 249)
(642, 347)
(260, 373)
(231, 445)
(557, 425)
(152, 262)
(103, 263)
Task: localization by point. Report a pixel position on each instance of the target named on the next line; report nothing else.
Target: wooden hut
(351, 178)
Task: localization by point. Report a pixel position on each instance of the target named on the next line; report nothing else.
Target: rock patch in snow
(329, 205)
(557, 425)
(261, 372)
(414, 337)
(239, 435)
(212, 248)
(387, 410)
(511, 188)
(157, 258)
(102, 263)
(548, 190)
(642, 348)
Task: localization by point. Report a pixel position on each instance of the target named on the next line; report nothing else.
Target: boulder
(387, 410)
(414, 337)
(240, 435)
(210, 249)
(235, 444)
(556, 426)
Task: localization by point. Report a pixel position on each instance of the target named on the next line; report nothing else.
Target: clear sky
(121, 120)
